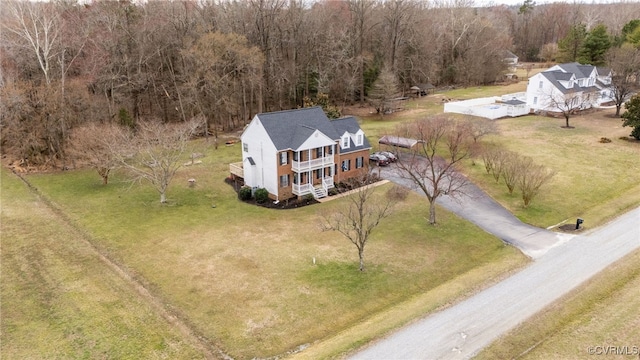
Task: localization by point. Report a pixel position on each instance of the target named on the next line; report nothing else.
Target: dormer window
(359, 139)
(345, 142)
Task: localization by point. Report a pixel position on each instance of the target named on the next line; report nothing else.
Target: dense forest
(65, 63)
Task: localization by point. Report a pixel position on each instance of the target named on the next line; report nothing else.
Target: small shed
(422, 89)
(397, 142)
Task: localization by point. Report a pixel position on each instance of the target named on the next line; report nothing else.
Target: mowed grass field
(60, 301)
(243, 276)
(594, 181)
(601, 315)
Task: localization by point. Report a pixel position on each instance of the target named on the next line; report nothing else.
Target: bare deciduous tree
(494, 161)
(517, 172)
(37, 27)
(360, 217)
(155, 152)
(570, 103)
(625, 65)
(480, 127)
(511, 170)
(531, 178)
(432, 164)
(91, 145)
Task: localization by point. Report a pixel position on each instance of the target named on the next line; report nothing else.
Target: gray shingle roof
(581, 71)
(350, 125)
(514, 102)
(291, 128)
(555, 76)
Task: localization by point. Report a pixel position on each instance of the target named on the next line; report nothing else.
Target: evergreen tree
(595, 46)
(569, 47)
(628, 31)
(634, 37)
(631, 117)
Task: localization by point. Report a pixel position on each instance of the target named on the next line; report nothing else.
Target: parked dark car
(379, 159)
(389, 155)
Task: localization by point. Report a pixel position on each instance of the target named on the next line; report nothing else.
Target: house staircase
(319, 192)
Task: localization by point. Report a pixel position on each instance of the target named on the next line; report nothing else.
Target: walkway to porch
(329, 198)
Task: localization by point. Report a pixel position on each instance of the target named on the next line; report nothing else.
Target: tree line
(66, 63)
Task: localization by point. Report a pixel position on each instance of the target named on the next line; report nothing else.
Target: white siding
(263, 152)
(542, 94)
(316, 140)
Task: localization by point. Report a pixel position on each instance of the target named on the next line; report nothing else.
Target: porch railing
(302, 189)
(237, 169)
(312, 164)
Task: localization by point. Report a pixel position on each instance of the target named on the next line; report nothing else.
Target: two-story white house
(298, 152)
(571, 80)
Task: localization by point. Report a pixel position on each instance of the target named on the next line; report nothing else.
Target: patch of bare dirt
(570, 228)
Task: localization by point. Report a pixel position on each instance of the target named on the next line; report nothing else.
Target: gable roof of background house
(509, 55)
(581, 71)
(556, 76)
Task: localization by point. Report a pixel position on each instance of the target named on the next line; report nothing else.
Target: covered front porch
(316, 182)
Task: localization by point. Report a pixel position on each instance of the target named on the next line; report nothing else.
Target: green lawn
(59, 300)
(593, 180)
(244, 275)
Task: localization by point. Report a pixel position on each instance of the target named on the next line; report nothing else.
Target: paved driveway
(483, 211)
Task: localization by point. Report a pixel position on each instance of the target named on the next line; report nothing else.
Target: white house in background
(564, 81)
(299, 152)
(510, 59)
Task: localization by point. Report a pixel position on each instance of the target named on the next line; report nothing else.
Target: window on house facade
(284, 180)
(319, 174)
(329, 150)
(345, 142)
(295, 156)
(540, 85)
(319, 153)
(346, 165)
(359, 162)
(245, 147)
(535, 100)
(359, 139)
(284, 158)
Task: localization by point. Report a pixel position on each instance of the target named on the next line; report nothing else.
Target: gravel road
(464, 329)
